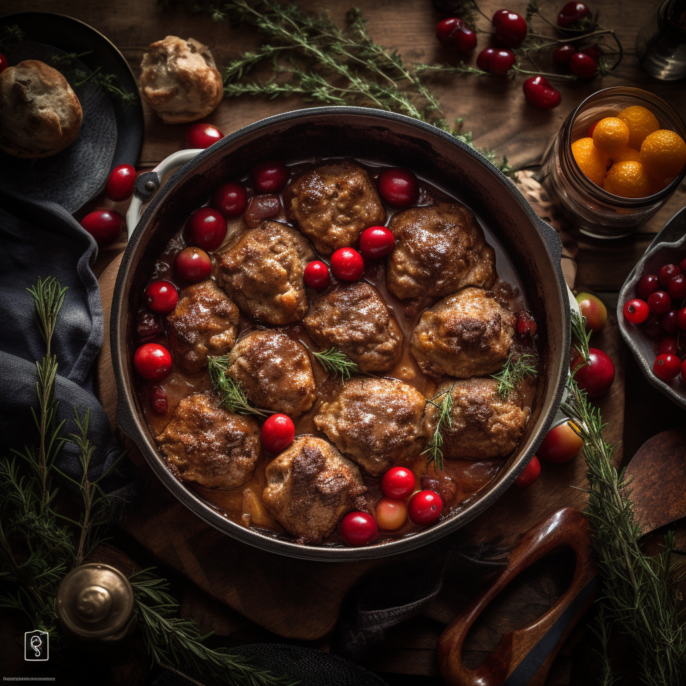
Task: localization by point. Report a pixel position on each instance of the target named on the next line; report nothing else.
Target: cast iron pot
(391, 139)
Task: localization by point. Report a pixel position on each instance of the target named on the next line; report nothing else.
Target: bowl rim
(663, 241)
(132, 425)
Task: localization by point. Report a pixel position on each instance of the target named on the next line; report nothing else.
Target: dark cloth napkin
(40, 238)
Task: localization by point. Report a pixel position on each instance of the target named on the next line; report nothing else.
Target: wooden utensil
(524, 656)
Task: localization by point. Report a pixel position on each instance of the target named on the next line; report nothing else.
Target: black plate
(73, 36)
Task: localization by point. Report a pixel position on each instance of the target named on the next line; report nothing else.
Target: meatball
(310, 487)
(207, 444)
(354, 319)
(377, 422)
(484, 425)
(275, 371)
(467, 334)
(204, 323)
(333, 204)
(263, 273)
(438, 251)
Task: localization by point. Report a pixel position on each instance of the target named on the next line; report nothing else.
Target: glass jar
(661, 43)
(593, 210)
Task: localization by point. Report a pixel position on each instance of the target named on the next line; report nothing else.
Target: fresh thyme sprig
(435, 448)
(175, 643)
(11, 34)
(232, 394)
(514, 371)
(336, 362)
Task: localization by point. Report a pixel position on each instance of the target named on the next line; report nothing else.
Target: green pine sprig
(233, 396)
(514, 371)
(337, 363)
(445, 421)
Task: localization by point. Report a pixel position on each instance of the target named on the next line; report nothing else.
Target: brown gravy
(470, 476)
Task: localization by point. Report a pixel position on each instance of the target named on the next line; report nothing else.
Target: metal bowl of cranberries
(271, 261)
(652, 310)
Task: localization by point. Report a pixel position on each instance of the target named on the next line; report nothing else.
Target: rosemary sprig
(175, 643)
(582, 338)
(232, 394)
(336, 362)
(11, 34)
(435, 448)
(104, 81)
(515, 370)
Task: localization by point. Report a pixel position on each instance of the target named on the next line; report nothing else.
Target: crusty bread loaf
(39, 112)
(179, 80)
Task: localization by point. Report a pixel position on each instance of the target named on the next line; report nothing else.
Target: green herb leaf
(514, 371)
(435, 448)
(232, 394)
(582, 338)
(336, 362)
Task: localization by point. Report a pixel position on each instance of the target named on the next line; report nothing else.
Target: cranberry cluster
(660, 311)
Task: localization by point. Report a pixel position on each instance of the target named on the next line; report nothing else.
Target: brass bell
(95, 606)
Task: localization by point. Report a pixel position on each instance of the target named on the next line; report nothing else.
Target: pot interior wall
(395, 143)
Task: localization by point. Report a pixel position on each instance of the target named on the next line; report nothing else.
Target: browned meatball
(310, 487)
(333, 204)
(467, 334)
(438, 250)
(203, 323)
(209, 445)
(377, 422)
(354, 319)
(263, 273)
(483, 424)
(275, 371)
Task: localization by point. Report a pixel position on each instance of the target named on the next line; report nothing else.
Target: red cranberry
(540, 93)
(206, 229)
(446, 28)
(483, 59)
(636, 311)
(317, 275)
(464, 39)
(529, 474)
(398, 187)
(398, 482)
(3, 63)
(681, 318)
(496, 62)
(677, 287)
(161, 297)
(120, 182)
(510, 28)
(659, 302)
(670, 322)
(148, 326)
(277, 433)
(193, 264)
(269, 177)
(563, 53)
(158, 400)
(425, 507)
(572, 12)
(358, 528)
(593, 51)
(667, 273)
(667, 345)
(647, 284)
(347, 264)
(666, 367)
(526, 324)
(152, 361)
(104, 225)
(202, 135)
(597, 375)
(583, 66)
(230, 199)
(652, 326)
(376, 241)
(261, 207)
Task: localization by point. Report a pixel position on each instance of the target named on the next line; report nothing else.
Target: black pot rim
(132, 426)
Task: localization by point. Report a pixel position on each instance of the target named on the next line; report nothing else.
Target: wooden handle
(524, 656)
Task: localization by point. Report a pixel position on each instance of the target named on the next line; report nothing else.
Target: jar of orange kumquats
(616, 160)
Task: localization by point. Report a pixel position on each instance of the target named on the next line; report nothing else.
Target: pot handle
(524, 656)
(148, 183)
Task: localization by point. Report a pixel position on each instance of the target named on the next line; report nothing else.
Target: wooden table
(500, 119)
